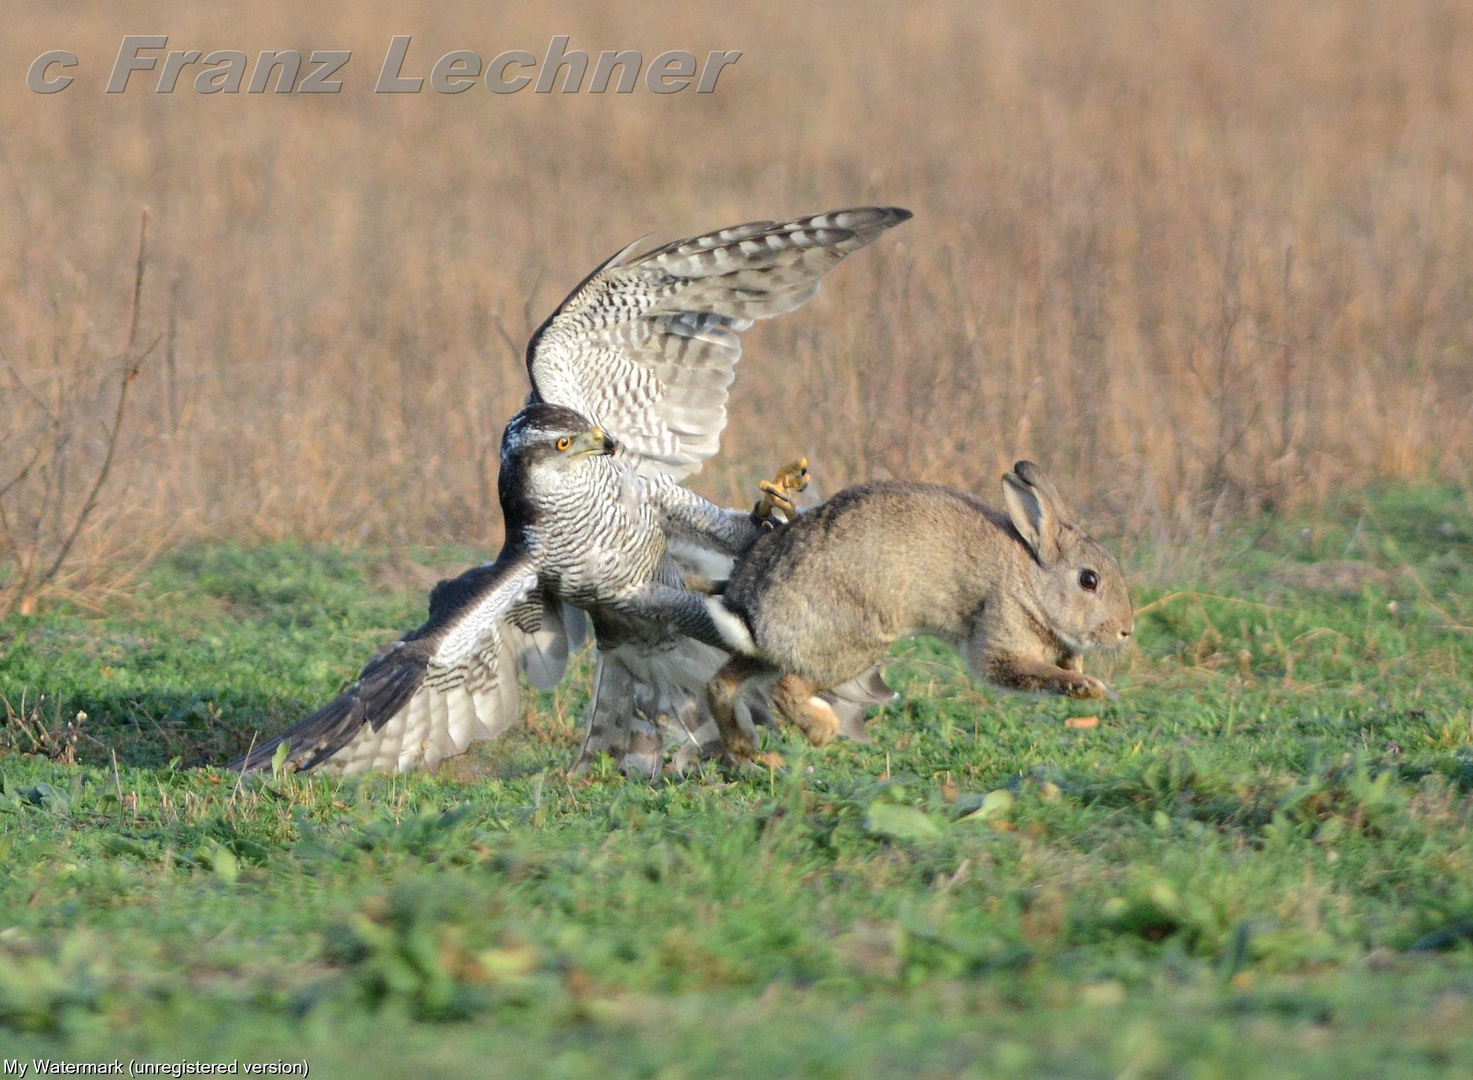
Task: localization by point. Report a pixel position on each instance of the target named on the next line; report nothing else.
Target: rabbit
(1023, 593)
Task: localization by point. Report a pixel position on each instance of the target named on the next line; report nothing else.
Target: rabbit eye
(564, 443)
(1089, 580)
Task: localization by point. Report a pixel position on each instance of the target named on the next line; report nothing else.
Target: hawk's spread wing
(646, 346)
(444, 686)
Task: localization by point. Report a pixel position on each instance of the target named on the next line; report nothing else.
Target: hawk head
(545, 448)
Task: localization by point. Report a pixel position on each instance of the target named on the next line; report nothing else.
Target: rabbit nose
(1125, 632)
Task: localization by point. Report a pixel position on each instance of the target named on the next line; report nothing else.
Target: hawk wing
(647, 345)
(444, 686)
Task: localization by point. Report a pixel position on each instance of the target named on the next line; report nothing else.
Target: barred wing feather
(443, 686)
(647, 345)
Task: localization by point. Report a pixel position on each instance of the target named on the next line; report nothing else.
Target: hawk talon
(777, 493)
(775, 501)
(772, 500)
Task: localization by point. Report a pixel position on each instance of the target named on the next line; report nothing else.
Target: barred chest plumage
(595, 535)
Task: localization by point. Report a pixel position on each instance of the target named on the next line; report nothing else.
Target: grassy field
(1257, 861)
(1209, 262)
(1200, 259)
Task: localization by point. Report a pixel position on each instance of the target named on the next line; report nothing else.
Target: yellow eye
(564, 443)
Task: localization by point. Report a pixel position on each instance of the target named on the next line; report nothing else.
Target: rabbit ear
(1033, 504)
(1035, 477)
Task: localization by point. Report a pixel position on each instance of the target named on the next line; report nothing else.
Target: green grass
(1257, 863)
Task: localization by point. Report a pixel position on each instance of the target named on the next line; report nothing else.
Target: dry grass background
(1200, 259)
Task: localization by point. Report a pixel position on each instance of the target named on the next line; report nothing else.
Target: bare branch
(516, 353)
(24, 472)
(132, 361)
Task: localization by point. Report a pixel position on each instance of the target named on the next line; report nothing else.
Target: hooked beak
(593, 442)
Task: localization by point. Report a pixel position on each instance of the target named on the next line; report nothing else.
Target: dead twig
(28, 585)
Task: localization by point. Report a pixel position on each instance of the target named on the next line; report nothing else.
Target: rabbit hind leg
(722, 693)
(797, 699)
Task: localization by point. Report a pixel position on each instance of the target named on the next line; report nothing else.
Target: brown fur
(827, 596)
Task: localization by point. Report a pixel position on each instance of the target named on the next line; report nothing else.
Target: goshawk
(629, 387)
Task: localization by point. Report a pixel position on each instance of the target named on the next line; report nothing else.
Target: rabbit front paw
(1087, 686)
